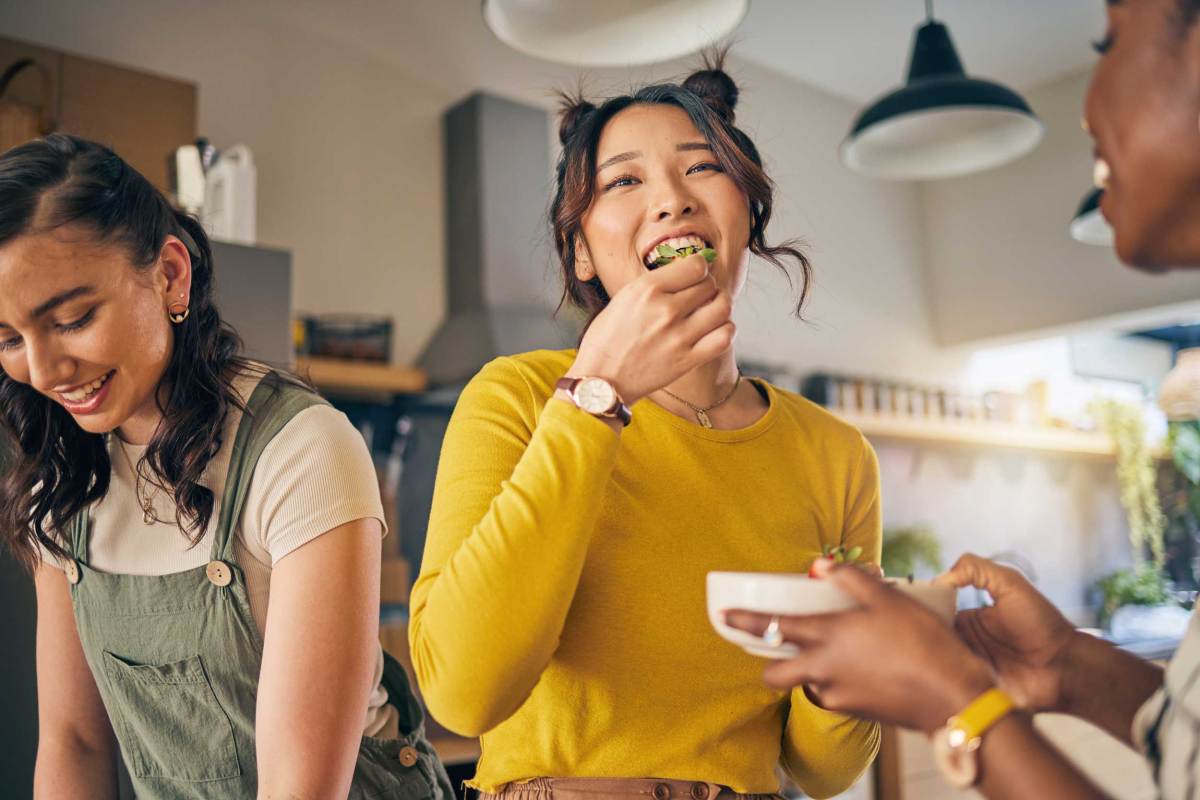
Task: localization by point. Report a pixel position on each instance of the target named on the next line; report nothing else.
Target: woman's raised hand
(1023, 636)
(656, 329)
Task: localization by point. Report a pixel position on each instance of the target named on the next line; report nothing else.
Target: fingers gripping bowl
(792, 594)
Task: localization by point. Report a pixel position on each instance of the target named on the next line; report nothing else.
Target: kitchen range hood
(501, 283)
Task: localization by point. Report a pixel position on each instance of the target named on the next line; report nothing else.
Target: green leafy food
(839, 555)
(668, 254)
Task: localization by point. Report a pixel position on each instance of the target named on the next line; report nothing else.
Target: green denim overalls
(176, 657)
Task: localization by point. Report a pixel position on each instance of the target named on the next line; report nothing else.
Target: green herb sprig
(667, 254)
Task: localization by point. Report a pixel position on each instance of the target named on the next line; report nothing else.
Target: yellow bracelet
(980, 714)
(956, 744)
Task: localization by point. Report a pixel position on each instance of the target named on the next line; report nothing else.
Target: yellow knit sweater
(560, 610)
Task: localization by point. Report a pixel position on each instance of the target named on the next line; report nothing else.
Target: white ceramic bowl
(784, 593)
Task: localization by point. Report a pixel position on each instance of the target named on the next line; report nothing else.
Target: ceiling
(853, 48)
(859, 48)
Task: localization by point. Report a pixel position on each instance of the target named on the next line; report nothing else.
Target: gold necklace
(146, 502)
(702, 412)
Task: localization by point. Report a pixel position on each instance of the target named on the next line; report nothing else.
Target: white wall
(1060, 513)
(868, 313)
(999, 258)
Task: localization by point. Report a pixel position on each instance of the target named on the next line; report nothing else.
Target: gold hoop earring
(585, 267)
(178, 316)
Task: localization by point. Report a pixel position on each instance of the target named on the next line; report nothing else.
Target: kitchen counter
(1150, 649)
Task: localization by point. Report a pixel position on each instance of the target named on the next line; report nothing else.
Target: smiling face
(1143, 110)
(658, 182)
(84, 327)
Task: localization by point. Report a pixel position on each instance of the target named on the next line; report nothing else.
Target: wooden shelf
(453, 749)
(360, 377)
(981, 434)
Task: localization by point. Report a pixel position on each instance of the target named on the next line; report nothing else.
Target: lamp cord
(929, 10)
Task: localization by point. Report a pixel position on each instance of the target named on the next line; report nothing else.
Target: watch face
(959, 765)
(595, 396)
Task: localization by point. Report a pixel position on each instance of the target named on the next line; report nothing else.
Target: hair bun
(572, 111)
(716, 89)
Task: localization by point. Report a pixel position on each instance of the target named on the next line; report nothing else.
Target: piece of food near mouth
(665, 254)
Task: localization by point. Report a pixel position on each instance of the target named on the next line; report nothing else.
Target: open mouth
(675, 247)
(82, 394)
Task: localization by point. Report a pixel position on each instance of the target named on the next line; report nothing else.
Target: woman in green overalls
(205, 531)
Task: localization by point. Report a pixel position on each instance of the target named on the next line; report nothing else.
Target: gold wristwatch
(956, 744)
(597, 397)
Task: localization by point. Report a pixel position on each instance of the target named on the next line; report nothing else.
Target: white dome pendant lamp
(612, 33)
(941, 123)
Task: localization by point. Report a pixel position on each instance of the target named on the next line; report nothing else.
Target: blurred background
(378, 175)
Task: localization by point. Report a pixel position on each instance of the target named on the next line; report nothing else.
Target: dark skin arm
(1042, 660)
(930, 674)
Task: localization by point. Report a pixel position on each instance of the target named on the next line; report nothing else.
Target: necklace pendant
(702, 416)
(148, 517)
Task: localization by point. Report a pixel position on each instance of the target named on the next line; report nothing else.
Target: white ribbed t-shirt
(315, 475)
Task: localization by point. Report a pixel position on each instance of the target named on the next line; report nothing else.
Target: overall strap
(80, 525)
(79, 531)
(272, 405)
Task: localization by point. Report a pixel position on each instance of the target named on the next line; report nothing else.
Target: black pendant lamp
(1089, 225)
(941, 123)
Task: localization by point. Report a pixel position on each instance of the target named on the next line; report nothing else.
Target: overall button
(661, 791)
(219, 573)
(408, 756)
(72, 570)
(699, 791)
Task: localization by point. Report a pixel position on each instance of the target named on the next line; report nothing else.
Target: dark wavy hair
(58, 468)
(709, 98)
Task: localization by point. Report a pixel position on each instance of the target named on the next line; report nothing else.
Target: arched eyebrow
(617, 159)
(60, 298)
(56, 301)
(632, 154)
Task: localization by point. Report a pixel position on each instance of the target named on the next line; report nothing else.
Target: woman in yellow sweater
(560, 610)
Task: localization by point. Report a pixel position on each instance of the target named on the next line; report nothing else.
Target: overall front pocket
(169, 721)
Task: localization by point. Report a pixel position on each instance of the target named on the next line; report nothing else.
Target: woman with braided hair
(583, 495)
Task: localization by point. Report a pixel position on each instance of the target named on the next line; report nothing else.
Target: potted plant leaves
(908, 551)
(1137, 602)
